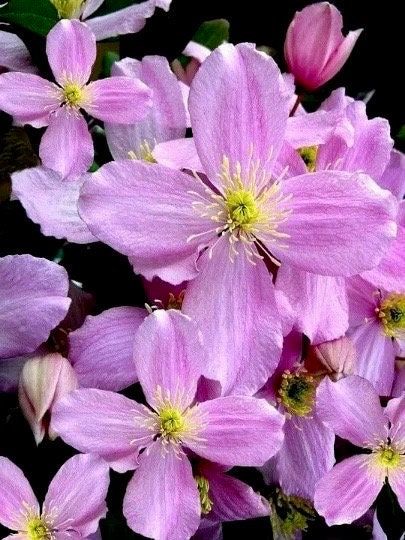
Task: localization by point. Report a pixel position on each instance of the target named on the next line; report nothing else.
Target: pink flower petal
(341, 54)
(144, 211)
(238, 430)
(162, 500)
(90, 7)
(78, 504)
(238, 108)
(306, 455)
(395, 410)
(71, 51)
(341, 223)
(178, 154)
(15, 490)
(120, 100)
(348, 490)
(393, 177)
(33, 300)
(166, 120)
(101, 351)
(51, 201)
(124, 21)
(396, 479)
(351, 407)
(102, 423)
(239, 319)
(27, 97)
(169, 355)
(67, 146)
(14, 53)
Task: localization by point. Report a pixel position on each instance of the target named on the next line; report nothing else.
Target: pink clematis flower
(351, 407)
(157, 439)
(71, 50)
(315, 49)
(215, 230)
(71, 510)
(377, 325)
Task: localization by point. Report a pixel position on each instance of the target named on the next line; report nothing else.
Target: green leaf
(108, 60)
(212, 34)
(39, 16)
(401, 133)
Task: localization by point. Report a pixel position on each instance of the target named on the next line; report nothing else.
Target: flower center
(73, 95)
(290, 514)
(203, 489)
(243, 210)
(388, 457)
(144, 153)
(68, 9)
(297, 393)
(37, 529)
(309, 155)
(172, 423)
(392, 315)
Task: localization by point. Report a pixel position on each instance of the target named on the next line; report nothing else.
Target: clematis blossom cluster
(265, 375)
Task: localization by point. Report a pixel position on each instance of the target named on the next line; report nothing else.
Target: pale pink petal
(51, 201)
(396, 479)
(378, 532)
(363, 298)
(103, 423)
(71, 51)
(232, 499)
(163, 4)
(120, 100)
(124, 21)
(239, 319)
(375, 356)
(27, 97)
(101, 351)
(77, 494)
(90, 7)
(14, 53)
(306, 455)
(319, 302)
(33, 300)
(67, 146)
(238, 108)
(312, 128)
(144, 210)
(197, 51)
(395, 410)
(178, 154)
(348, 490)
(169, 356)
(162, 500)
(15, 491)
(393, 177)
(351, 407)
(166, 120)
(340, 223)
(237, 430)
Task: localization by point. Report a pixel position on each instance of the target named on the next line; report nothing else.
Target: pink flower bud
(197, 54)
(44, 380)
(337, 356)
(315, 48)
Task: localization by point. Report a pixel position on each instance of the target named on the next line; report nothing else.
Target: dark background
(376, 63)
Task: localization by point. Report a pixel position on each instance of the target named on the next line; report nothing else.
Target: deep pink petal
(71, 51)
(51, 201)
(238, 430)
(124, 21)
(15, 490)
(33, 300)
(162, 500)
(348, 490)
(351, 407)
(340, 223)
(27, 97)
(101, 351)
(78, 504)
(319, 302)
(239, 319)
(67, 146)
(166, 120)
(104, 424)
(341, 54)
(144, 211)
(14, 53)
(121, 100)
(169, 356)
(238, 108)
(306, 455)
(178, 154)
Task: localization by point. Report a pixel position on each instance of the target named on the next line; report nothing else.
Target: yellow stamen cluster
(309, 155)
(387, 456)
(289, 515)
(68, 9)
(144, 153)
(203, 489)
(297, 393)
(392, 315)
(73, 95)
(38, 529)
(175, 302)
(172, 423)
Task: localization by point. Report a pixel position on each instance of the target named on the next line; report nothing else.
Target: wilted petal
(33, 300)
(101, 351)
(162, 500)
